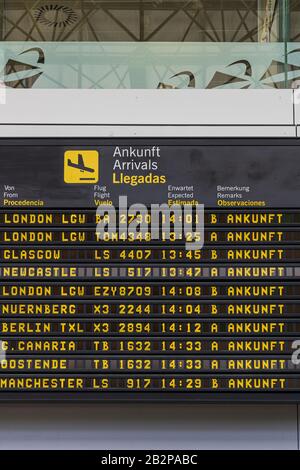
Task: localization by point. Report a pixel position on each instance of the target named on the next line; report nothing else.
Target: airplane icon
(80, 165)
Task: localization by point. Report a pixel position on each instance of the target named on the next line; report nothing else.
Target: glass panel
(150, 44)
(139, 20)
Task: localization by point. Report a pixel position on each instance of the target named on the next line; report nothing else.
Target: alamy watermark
(3, 349)
(159, 221)
(296, 353)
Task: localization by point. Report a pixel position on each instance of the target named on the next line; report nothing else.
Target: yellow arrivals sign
(81, 167)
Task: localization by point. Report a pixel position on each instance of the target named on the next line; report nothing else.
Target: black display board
(137, 318)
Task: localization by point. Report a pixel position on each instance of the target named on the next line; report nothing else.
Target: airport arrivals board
(141, 312)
